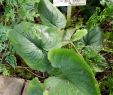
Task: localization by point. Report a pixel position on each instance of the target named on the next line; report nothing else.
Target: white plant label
(69, 2)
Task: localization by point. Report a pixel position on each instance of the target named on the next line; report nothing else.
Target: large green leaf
(94, 38)
(50, 15)
(76, 78)
(34, 87)
(33, 56)
(44, 37)
(32, 41)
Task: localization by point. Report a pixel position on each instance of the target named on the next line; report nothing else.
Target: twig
(26, 68)
(34, 73)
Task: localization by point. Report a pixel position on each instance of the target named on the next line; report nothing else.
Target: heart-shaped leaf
(76, 77)
(32, 41)
(94, 38)
(32, 55)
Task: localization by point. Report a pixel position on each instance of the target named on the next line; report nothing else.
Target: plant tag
(69, 2)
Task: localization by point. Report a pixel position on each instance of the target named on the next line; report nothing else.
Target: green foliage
(35, 29)
(108, 82)
(43, 36)
(79, 34)
(106, 2)
(11, 59)
(96, 60)
(37, 40)
(94, 38)
(98, 17)
(4, 70)
(7, 55)
(68, 34)
(13, 11)
(17, 10)
(50, 15)
(35, 87)
(74, 70)
(32, 54)
(3, 37)
(76, 76)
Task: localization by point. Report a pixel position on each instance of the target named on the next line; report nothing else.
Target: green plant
(4, 70)
(73, 77)
(98, 17)
(12, 12)
(37, 43)
(5, 51)
(15, 11)
(38, 32)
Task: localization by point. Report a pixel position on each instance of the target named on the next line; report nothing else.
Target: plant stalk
(69, 10)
